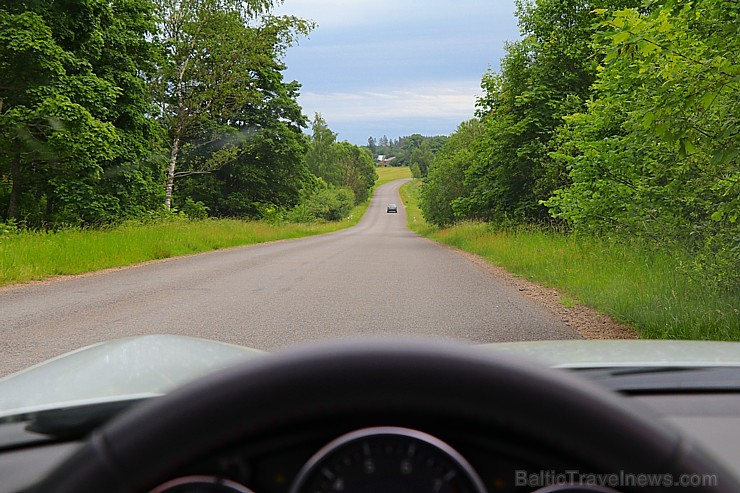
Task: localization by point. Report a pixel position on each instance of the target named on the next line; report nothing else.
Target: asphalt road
(376, 278)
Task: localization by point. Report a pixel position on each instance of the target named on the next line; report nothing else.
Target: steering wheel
(386, 381)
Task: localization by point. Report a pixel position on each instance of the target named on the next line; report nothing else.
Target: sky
(396, 67)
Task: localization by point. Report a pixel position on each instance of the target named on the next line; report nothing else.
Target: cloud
(381, 43)
(348, 14)
(384, 66)
(419, 101)
(335, 13)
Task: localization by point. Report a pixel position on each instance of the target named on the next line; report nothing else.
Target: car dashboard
(427, 457)
(420, 453)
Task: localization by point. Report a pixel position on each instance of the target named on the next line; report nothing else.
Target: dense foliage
(341, 167)
(544, 76)
(124, 108)
(220, 92)
(415, 151)
(445, 182)
(613, 118)
(77, 144)
(656, 153)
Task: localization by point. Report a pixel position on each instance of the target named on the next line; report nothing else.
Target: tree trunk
(15, 192)
(50, 203)
(179, 127)
(171, 172)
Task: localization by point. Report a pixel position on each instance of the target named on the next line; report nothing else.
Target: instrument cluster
(377, 459)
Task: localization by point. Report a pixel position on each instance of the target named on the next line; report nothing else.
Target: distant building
(384, 161)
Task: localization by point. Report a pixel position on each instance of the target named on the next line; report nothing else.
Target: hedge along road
(376, 278)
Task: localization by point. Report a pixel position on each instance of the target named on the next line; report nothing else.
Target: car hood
(147, 366)
(130, 368)
(626, 353)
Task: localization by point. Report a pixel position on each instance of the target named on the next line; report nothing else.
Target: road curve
(377, 278)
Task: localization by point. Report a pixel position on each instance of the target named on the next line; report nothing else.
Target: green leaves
(340, 164)
(622, 36)
(444, 184)
(71, 110)
(621, 121)
(667, 168)
(97, 93)
(221, 73)
(544, 77)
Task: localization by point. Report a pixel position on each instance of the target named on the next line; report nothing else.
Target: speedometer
(387, 459)
(201, 484)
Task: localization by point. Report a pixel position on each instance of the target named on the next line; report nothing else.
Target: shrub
(327, 203)
(194, 209)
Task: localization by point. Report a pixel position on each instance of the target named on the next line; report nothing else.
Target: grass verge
(34, 255)
(634, 284)
(390, 173)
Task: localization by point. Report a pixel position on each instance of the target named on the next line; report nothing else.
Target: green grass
(629, 281)
(36, 255)
(31, 255)
(389, 174)
(414, 219)
(569, 302)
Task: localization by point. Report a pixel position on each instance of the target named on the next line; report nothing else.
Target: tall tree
(340, 164)
(422, 158)
(30, 59)
(656, 153)
(372, 146)
(356, 169)
(268, 172)
(74, 110)
(445, 181)
(543, 77)
(212, 49)
(322, 154)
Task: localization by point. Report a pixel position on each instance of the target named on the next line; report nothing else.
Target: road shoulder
(587, 321)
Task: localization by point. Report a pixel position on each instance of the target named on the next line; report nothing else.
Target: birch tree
(211, 50)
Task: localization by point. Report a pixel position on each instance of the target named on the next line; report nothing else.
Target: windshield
(222, 170)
